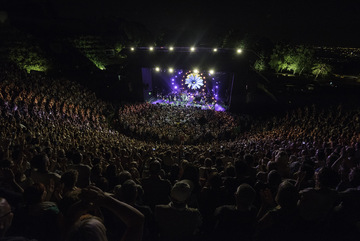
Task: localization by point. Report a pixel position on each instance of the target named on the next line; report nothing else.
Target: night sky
(331, 23)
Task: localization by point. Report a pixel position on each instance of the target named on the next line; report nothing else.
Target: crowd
(67, 173)
(176, 124)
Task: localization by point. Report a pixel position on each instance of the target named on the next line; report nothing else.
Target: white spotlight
(132, 49)
(171, 48)
(151, 48)
(171, 70)
(239, 51)
(157, 69)
(192, 49)
(215, 50)
(196, 71)
(211, 71)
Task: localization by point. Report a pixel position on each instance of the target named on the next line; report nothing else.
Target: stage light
(171, 70)
(132, 49)
(196, 71)
(239, 51)
(176, 87)
(151, 48)
(157, 69)
(211, 71)
(192, 49)
(215, 50)
(171, 48)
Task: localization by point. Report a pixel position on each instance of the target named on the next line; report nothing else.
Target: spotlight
(151, 48)
(132, 49)
(171, 48)
(215, 50)
(196, 71)
(171, 70)
(157, 69)
(192, 49)
(239, 51)
(211, 71)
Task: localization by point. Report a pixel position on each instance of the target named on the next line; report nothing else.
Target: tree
(296, 59)
(260, 64)
(321, 69)
(29, 57)
(277, 58)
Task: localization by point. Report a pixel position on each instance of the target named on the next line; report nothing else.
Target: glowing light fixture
(171, 70)
(192, 49)
(132, 49)
(157, 69)
(171, 48)
(211, 71)
(196, 71)
(194, 81)
(239, 51)
(151, 48)
(215, 50)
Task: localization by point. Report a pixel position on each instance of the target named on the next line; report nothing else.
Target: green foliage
(296, 59)
(93, 48)
(29, 57)
(277, 59)
(260, 65)
(119, 47)
(101, 51)
(321, 69)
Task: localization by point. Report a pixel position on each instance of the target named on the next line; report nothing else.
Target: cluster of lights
(171, 70)
(191, 49)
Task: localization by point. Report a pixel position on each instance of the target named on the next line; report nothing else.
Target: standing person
(41, 174)
(38, 218)
(83, 170)
(283, 221)
(6, 217)
(156, 189)
(237, 222)
(176, 221)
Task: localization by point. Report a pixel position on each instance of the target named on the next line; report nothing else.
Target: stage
(206, 90)
(188, 103)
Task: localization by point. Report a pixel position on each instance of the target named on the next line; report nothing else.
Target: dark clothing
(39, 221)
(149, 224)
(156, 191)
(177, 224)
(233, 224)
(281, 225)
(16, 238)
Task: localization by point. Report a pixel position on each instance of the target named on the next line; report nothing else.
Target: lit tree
(29, 57)
(321, 69)
(278, 60)
(260, 64)
(295, 59)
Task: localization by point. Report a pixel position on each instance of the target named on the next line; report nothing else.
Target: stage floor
(202, 106)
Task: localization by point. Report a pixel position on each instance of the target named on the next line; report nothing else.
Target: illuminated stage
(207, 90)
(202, 106)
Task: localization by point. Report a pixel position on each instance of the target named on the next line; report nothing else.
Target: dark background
(331, 23)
